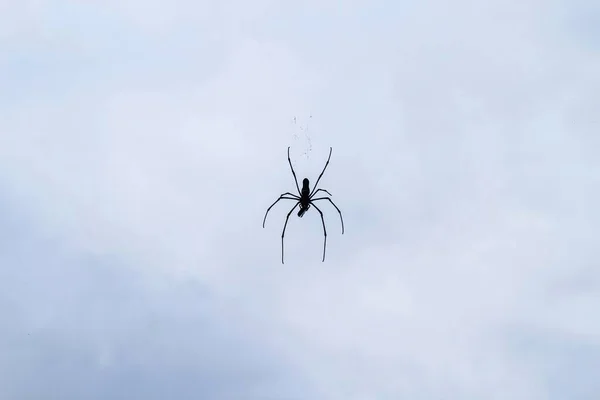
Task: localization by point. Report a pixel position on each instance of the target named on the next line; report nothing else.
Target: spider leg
(284, 225)
(336, 207)
(293, 173)
(291, 194)
(280, 198)
(320, 190)
(322, 172)
(324, 232)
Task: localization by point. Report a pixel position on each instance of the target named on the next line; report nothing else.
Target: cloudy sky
(142, 141)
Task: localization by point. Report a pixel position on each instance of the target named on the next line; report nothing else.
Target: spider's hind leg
(293, 173)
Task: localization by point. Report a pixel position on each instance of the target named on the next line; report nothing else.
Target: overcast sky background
(142, 141)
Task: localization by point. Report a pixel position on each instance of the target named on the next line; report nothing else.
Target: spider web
(300, 131)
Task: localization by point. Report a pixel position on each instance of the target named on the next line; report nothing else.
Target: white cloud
(464, 163)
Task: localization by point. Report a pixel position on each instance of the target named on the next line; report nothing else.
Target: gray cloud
(87, 326)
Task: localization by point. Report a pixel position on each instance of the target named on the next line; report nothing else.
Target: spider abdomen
(305, 188)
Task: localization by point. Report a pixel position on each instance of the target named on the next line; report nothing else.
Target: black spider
(305, 200)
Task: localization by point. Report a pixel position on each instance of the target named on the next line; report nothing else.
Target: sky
(142, 141)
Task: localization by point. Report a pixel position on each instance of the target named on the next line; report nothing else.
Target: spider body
(305, 199)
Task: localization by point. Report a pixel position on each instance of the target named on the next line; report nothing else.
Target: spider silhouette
(305, 200)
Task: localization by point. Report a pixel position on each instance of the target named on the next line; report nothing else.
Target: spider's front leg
(282, 197)
(324, 231)
(336, 207)
(287, 217)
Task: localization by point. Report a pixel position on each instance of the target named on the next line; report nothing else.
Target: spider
(305, 200)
